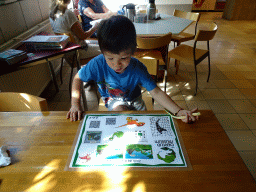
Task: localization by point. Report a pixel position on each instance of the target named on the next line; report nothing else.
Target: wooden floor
(230, 93)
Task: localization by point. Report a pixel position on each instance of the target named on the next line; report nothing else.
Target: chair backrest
(11, 101)
(151, 64)
(79, 18)
(72, 39)
(186, 15)
(206, 31)
(153, 42)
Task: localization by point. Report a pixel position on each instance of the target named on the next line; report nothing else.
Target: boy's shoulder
(97, 62)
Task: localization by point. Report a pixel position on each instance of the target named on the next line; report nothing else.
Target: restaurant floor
(230, 93)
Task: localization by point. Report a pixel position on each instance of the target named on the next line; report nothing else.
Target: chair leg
(153, 100)
(177, 66)
(96, 87)
(209, 66)
(61, 66)
(196, 81)
(177, 62)
(70, 82)
(165, 79)
(173, 48)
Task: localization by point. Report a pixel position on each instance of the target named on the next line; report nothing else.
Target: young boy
(119, 75)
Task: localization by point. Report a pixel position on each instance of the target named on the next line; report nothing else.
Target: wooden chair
(152, 65)
(183, 36)
(11, 101)
(148, 49)
(192, 54)
(79, 18)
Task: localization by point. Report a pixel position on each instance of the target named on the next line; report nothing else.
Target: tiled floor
(230, 94)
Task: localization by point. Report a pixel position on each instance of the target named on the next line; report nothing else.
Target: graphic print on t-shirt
(113, 92)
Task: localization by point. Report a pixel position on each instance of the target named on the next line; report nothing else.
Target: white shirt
(63, 24)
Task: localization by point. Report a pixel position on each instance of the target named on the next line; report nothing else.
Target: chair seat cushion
(185, 53)
(182, 37)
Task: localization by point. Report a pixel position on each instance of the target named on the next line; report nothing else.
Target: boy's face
(118, 62)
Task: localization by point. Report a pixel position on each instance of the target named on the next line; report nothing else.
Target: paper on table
(95, 22)
(4, 158)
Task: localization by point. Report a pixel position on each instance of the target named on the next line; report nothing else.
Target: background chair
(79, 18)
(152, 66)
(11, 101)
(194, 55)
(183, 36)
(149, 48)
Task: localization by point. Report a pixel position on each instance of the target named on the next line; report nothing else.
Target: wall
(164, 6)
(207, 5)
(168, 6)
(19, 16)
(240, 10)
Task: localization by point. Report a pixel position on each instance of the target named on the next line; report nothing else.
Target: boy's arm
(75, 112)
(169, 104)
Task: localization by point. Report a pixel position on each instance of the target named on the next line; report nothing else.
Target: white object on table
(94, 22)
(4, 158)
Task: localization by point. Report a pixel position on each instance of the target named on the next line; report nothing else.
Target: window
(112, 5)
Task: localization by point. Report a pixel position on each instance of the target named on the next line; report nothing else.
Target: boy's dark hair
(117, 34)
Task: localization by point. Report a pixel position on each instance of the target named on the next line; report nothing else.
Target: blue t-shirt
(112, 84)
(96, 7)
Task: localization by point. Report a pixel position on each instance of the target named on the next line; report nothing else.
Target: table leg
(53, 76)
(82, 87)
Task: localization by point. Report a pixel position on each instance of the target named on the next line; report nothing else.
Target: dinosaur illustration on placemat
(131, 121)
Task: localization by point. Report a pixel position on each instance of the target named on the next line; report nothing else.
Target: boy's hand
(189, 117)
(75, 113)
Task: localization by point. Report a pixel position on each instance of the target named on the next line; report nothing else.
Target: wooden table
(40, 144)
(167, 24)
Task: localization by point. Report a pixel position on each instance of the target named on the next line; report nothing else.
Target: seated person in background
(92, 10)
(64, 20)
(119, 75)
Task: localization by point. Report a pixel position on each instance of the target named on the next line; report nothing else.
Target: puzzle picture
(128, 140)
